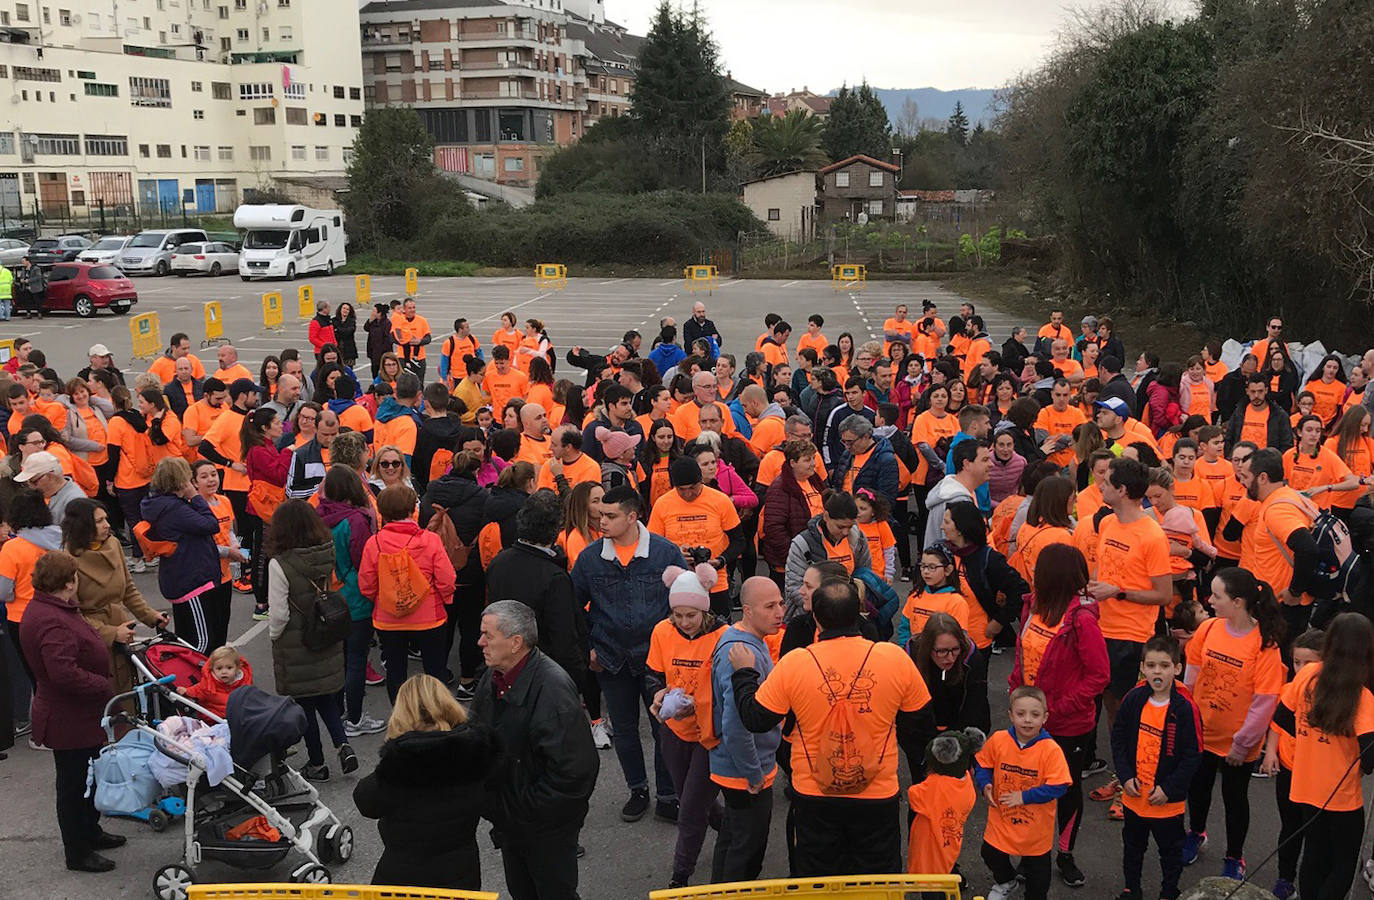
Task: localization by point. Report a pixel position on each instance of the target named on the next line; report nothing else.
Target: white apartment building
(165, 106)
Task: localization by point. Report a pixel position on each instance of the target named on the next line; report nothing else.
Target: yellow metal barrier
(848, 277)
(859, 887)
(214, 324)
(550, 276)
(701, 278)
(362, 290)
(273, 317)
(146, 332)
(328, 892)
(305, 301)
(412, 282)
(6, 350)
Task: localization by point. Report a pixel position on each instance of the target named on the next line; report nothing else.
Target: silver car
(209, 258)
(12, 251)
(150, 252)
(106, 250)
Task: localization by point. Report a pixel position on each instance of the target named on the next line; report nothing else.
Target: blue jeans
(6, 306)
(355, 668)
(624, 692)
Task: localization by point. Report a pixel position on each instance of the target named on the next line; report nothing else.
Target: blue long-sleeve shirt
(1041, 793)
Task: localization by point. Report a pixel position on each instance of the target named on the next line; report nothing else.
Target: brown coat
(108, 597)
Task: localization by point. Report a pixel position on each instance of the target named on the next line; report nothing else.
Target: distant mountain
(934, 103)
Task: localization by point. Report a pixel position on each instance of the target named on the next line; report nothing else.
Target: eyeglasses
(932, 567)
(390, 464)
(944, 651)
(34, 442)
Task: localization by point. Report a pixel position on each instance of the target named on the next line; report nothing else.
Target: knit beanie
(690, 589)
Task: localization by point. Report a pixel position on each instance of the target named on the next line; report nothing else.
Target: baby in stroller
(224, 671)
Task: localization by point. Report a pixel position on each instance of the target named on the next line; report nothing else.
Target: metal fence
(47, 219)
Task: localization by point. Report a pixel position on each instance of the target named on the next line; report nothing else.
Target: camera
(698, 555)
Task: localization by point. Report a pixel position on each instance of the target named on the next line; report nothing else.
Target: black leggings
(1290, 820)
(1037, 869)
(1235, 786)
(1331, 852)
(1078, 751)
(464, 616)
(591, 695)
(901, 515)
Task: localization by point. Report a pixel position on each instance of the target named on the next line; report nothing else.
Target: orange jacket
(428, 552)
(213, 694)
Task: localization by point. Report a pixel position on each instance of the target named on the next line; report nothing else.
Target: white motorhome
(288, 241)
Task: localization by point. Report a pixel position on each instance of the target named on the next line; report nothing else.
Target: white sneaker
(34, 745)
(1002, 891)
(151, 563)
(601, 734)
(137, 566)
(364, 725)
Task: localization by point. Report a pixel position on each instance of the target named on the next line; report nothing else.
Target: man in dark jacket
(183, 389)
(595, 364)
(536, 799)
(1114, 384)
(535, 572)
(1259, 412)
(1231, 391)
(439, 431)
(871, 457)
(464, 499)
(828, 436)
(698, 326)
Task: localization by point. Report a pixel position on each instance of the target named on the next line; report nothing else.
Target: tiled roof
(860, 158)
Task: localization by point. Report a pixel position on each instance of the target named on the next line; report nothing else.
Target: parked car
(13, 251)
(84, 288)
(64, 248)
(150, 252)
(210, 258)
(106, 250)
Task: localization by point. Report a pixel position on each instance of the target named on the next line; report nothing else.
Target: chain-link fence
(44, 220)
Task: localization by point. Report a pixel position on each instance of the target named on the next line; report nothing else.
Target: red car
(84, 288)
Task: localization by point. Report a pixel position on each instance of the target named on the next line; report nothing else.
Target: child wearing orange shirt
(1156, 747)
(1278, 762)
(1022, 773)
(939, 593)
(873, 522)
(940, 804)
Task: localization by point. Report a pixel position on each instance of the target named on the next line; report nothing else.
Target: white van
(287, 241)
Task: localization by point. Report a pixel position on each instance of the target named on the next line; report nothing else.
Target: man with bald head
(535, 446)
(288, 398)
(230, 369)
(567, 465)
(769, 419)
(744, 764)
(698, 326)
(686, 418)
(184, 388)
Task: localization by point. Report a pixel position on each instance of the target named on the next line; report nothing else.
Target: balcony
(525, 94)
(383, 41)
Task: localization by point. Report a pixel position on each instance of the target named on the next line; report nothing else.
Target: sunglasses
(390, 464)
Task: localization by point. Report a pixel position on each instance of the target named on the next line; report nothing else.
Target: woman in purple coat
(71, 671)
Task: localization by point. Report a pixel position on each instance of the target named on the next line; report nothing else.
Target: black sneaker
(1096, 767)
(464, 692)
(110, 841)
(315, 773)
(666, 810)
(91, 862)
(636, 807)
(1069, 871)
(348, 761)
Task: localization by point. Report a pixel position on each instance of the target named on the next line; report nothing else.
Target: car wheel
(83, 306)
(161, 268)
(214, 268)
(329, 267)
(290, 271)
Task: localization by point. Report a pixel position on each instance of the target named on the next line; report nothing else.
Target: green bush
(376, 265)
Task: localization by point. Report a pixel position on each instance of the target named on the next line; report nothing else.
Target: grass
(375, 265)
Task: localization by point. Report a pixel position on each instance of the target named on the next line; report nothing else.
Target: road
(622, 861)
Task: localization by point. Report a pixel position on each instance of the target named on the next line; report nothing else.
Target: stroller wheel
(311, 873)
(337, 845)
(172, 882)
(158, 820)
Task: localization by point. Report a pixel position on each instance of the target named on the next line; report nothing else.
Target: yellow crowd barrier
(6, 350)
(848, 277)
(412, 282)
(859, 887)
(305, 301)
(214, 324)
(273, 317)
(550, 276)
(362, 290)
(146, 332)
(328, 892)
(701, 278)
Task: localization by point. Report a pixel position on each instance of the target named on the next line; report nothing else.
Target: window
(176, 29)
(321, 119)
(284, 33)
(774, 214)
(298, 151)
(4, 17)
(340, 120)
(143, 151)
(150, 91)
(226, 43)
(264, 115)
(338, 92)
(28, 182)
(294, 91)
(221, 90)
(224, 12)
(875, 207)
(107, 145)
(241, 34)
(226, 154)
(21, 12)
(96, 89)
(201, 153)
(7, 143)
(355, 121)
(93, 20)
(54, 144)
(78, 198)
(260, 154)
(283, 4)
(514, 164)
(295, 115)
(321, 153)
(64, 16)
(266, 34)
(47, 16)
(240, 4)
(875, 179)
(197, 87)
(32, 73)
(347, 156)
(355, 94)
(841, 179)
(164, 151)
(259, 91)
(198, 114)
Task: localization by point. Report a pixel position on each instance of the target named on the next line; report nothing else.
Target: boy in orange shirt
(940, 804)
(1156, 746)
(1022, 773)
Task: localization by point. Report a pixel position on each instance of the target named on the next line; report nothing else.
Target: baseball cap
(99, 350)
(37, 465)
(684, 472)
(1116, 405)
(240, 387)
(615, 444)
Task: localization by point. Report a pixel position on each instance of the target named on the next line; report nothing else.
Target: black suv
(66, 248)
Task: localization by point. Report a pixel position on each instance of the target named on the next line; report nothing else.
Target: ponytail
(1260, 602)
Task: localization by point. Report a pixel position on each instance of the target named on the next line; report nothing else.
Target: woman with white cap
(679, 665)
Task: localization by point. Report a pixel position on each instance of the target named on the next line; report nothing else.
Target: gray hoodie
(48, 537)
(947, 491)
(740, 753)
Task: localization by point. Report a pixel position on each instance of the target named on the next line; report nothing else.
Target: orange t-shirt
(1200, 401)
(907, 328)
(775, 354)
(407, 329)
(543, 395)
(686, 663)
(1303, 472)
(224, 437)
(768, 433)
(878, 534)
(17, 557)
(1215, 371)
(856, 465)
(1216, 474)
(456, 348)
(1086, 505)
(772, 464)
(399, 432)
(1026, 830)
(928, 428)
(1035, 640)
(1323, 764)
(1232, 670)
(686, 420)
(1235, 504)
(584, 468)
(1149, 740)
(886, 684)
(817, 343)
(1329, 398)
(503, 388)
(1129, 556)
(1275, 519)
(95, 430)
(199, 417)
(1048, 330)
(1255, 425)
(1067, 367)
(135, 467)
(1195, 493)
(1031, 540)
(164, 368)
(224, 512)
(1361, 463)
(701, 523)
(509, 339)
(233, 373)
(923, 604)
(941, 805)
(176, 444)
(1056, 423)
(534, 452)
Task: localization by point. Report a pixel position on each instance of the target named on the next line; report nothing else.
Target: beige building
(787, 203)
(165, 106)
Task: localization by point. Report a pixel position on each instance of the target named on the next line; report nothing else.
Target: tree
(957, 129)
(788, 143)
(909, 119)
(857, 124)
(394, 189)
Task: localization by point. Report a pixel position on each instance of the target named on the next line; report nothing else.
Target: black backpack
(325, 621)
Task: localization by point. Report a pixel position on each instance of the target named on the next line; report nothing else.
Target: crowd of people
(798, 556)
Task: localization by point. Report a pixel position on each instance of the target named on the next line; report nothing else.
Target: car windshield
(149, 239)
(44, 244)
(266, 240)
(189, 248)
(109, 244)
(104, 273)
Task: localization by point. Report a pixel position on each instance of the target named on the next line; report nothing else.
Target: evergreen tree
(790, 143)
(857, 124)
(957, 129)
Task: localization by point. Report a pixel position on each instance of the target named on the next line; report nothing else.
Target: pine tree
(857, 124)
(957, 129)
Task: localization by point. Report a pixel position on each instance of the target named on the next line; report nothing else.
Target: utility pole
(703, 164)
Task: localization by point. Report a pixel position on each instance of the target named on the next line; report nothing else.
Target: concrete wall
(788, 195)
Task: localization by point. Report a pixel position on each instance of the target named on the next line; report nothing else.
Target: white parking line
(257, 629)
(496, 316)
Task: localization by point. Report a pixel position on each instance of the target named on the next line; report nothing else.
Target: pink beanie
(690, 588)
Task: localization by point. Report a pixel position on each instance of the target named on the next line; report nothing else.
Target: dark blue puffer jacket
(192, 527)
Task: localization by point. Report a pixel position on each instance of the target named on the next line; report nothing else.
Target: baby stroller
(262, 810)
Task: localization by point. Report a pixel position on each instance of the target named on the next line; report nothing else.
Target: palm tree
(788, 143)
